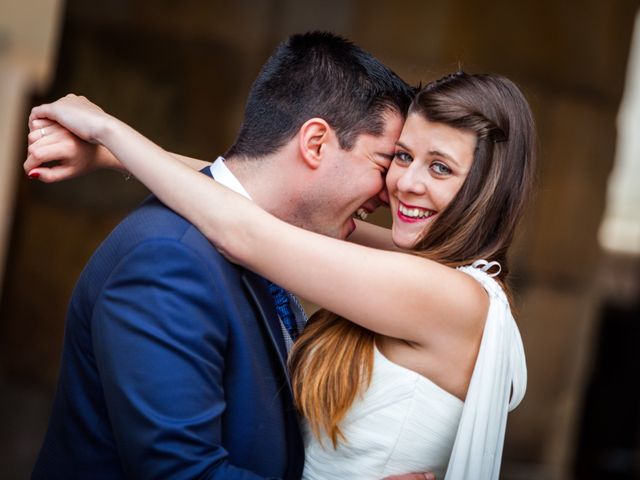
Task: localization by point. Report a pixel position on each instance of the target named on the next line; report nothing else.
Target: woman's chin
(406, 242)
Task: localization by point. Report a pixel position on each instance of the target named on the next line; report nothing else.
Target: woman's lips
(412, 213)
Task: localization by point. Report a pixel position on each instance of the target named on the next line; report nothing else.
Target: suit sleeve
(159, 336)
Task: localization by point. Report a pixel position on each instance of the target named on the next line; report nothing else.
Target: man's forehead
(392, 117)
(393, 123)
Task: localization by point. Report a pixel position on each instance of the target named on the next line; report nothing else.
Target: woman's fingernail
(34, 175)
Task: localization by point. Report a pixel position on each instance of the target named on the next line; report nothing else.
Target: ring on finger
(43, 132)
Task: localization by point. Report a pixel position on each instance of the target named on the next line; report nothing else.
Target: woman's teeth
(361, 213)
(415, 212)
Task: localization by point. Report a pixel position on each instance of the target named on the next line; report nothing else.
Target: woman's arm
(374, 236)
(73, 157)
(392, 293)
(192, 163)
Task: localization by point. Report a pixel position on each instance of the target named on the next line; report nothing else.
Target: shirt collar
(221, 174)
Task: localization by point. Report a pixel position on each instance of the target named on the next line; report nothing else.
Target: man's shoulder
(149, 241)
(151, 224)
(152, 218)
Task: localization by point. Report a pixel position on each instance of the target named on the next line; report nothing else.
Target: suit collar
(207, 171)
(224, 176)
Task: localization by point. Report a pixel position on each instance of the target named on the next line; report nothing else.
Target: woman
(424, 370)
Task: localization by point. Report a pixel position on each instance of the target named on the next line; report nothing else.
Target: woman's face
(430, 164)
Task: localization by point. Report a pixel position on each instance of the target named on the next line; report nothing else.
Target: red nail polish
(34, 175)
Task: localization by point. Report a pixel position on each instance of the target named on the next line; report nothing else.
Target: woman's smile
(411, 213)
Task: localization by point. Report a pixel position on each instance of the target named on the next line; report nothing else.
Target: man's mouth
(361, 214)
(414, 213)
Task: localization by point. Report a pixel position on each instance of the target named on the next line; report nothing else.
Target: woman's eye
(402, 157)
(440, 168)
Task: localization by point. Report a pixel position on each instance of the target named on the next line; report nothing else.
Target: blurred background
(179, 72)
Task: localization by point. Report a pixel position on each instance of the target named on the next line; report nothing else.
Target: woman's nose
(412, 180)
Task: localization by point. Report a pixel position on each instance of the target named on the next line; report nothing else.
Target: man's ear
(314, 136)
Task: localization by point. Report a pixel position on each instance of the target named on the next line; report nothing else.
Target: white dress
(405, 423)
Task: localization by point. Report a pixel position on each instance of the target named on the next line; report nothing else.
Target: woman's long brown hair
(332, 361)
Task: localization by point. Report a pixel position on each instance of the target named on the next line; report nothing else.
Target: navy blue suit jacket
(173, 365)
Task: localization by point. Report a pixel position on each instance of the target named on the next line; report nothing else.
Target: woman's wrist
(106, 160)
(107, 131)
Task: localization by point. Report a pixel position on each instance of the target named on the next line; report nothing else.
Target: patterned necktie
(283, 308)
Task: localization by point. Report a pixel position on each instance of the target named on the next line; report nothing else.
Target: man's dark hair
(318, 74)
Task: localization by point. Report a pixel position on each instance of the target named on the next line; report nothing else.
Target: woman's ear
(314, 136)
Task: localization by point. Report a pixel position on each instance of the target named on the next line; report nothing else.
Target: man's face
(350, 180)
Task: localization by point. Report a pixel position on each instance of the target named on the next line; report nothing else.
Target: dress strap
(487, 266)
(485, 273)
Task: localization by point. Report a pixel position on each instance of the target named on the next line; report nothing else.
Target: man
(174, 363)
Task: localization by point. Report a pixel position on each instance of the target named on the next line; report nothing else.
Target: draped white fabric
(497, 386)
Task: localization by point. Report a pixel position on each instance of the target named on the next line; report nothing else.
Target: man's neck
(265, 182)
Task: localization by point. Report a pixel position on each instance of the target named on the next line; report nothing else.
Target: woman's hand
(66, 132)
(61, 144)
(76, 114)
(71, 156)
(413, 476)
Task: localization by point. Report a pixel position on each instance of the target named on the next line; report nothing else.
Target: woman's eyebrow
(444, 155)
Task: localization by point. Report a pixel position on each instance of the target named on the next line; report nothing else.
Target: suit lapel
(259, 293)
